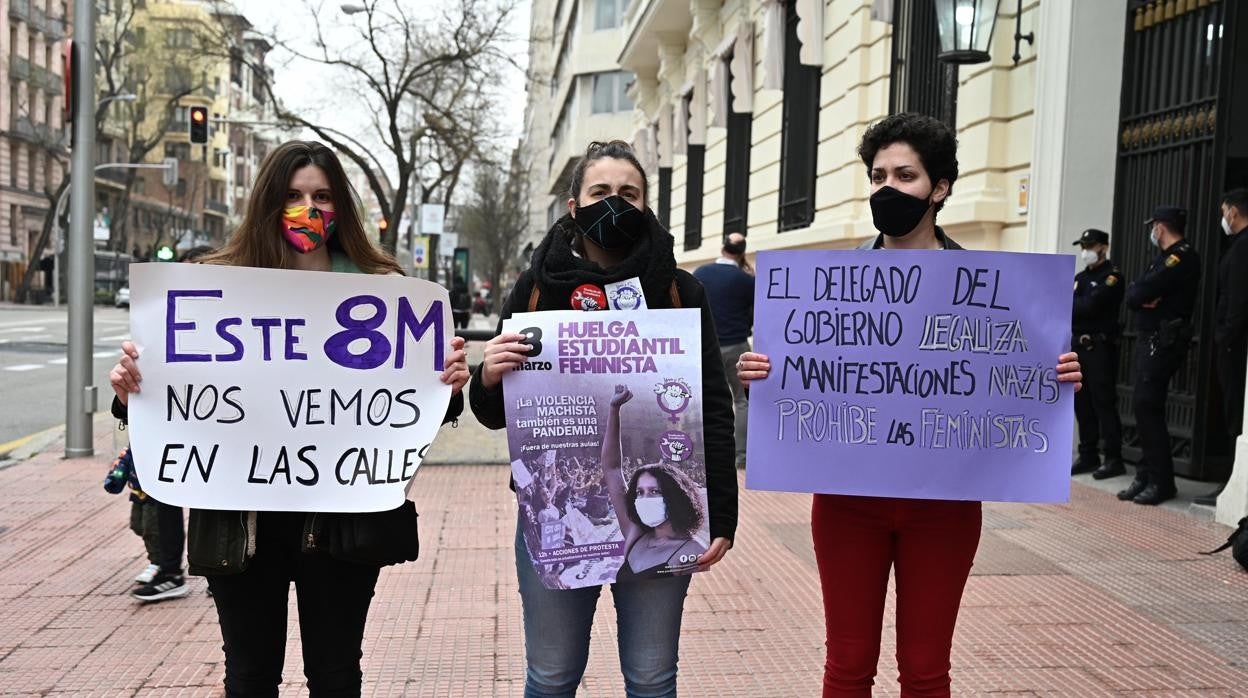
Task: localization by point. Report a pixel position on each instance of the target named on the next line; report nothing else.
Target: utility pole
(80, 397)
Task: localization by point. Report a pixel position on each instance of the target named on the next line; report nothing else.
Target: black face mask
(612, 223)
(896, 213)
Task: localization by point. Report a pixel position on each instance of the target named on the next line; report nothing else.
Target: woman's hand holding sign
(502, 354)
(456, 372)
(752, 366)
(719, 548)
(1069, 371)
(125, 375)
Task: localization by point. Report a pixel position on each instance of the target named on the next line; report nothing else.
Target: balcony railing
(53, 27)
(49, 81)
(23, 126)
(20, 9)
(218, 207)
(19, 68)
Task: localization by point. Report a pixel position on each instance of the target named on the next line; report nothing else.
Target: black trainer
(1112, 467)
(1134, 489)
(163, 586)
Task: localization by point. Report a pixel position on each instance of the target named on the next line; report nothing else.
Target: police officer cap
(1092, 236)
(1172, 215)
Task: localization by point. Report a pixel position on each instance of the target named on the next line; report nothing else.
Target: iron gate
(1177, 72)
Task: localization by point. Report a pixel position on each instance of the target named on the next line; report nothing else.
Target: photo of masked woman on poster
(911, 161)
(608, 236)
(302, 215)
(662, 507)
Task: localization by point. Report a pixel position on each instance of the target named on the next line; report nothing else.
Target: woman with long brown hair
(301, 215)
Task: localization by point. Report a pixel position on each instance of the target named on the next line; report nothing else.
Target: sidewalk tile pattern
(1088, 599)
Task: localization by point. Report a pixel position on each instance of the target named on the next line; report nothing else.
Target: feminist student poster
(912, 374)
(604, 425)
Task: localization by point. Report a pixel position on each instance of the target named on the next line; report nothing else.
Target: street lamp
(124, 97)
(966, 30)
(351, 8)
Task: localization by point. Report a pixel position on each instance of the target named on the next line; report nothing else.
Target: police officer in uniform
(1094, 336)
(1163, 299)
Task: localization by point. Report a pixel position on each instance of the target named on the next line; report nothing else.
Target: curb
(30, 445)
(27, 447)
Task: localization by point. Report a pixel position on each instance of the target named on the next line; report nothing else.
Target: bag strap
(533, 296)
(1219, 549)
(675, 295)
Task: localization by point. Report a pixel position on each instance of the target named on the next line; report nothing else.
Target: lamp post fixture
(352, 8)
(966, 26)
(124, 97)
(56, 250)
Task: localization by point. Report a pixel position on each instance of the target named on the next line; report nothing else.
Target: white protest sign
(280, 390)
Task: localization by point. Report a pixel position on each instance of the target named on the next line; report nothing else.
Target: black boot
(1211, 499)
(1155, 494)
(1138, 485)
(1084, 464)
(1112, 467)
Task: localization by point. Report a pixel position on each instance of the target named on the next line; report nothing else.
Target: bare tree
(123, 53)
(428, 83)
(494, 221)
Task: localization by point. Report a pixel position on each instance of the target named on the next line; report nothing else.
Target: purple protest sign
(914, 374)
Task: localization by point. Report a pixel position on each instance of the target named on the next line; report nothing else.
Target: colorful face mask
(307, 227)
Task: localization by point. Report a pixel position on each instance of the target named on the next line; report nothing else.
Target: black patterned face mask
(611, 223)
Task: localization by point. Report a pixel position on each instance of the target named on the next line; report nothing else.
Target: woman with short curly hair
(929, 544)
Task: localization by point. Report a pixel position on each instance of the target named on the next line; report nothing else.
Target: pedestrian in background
(301, 215)
(730, 289)
(1163, 300)
(166, 526)
(911, 161)
(1230, 321)
(1094, 337)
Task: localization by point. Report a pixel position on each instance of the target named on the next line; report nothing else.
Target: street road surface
(33, 365)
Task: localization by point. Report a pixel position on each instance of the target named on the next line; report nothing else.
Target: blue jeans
(557, 625)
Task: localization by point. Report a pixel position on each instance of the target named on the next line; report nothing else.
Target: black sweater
(717, 419)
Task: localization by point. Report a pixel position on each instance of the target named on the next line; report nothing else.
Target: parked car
(122, 299)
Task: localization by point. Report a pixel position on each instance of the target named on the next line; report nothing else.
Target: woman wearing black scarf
(609, 235)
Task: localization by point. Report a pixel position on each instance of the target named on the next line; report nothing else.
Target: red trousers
(931, 545)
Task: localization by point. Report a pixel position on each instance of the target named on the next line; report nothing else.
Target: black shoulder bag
(374, 538)
(1238, 543)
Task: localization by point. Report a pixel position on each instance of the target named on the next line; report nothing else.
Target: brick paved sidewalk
(1094, 598)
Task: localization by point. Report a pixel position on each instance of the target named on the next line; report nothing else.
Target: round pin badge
(589, 297)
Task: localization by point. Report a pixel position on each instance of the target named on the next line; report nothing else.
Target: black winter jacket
(557, 272)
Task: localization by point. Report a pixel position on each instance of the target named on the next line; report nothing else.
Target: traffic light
(199, 125)
(383, 224)
(165, 253)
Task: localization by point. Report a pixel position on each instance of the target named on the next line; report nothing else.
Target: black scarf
(559, 271)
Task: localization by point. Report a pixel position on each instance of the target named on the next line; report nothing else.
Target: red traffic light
(383, 224)
(199, 125)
